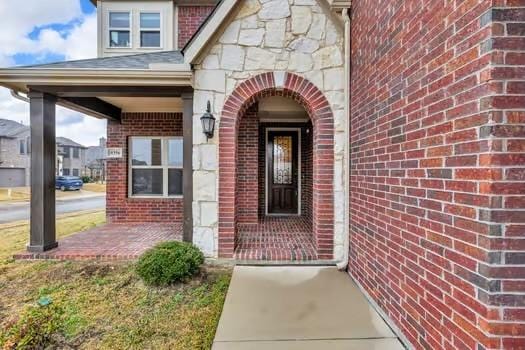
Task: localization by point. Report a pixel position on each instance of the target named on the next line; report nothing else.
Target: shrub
(169, 262)
(86, 179)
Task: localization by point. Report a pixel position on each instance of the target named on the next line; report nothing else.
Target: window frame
(129, 29)
(149, 30)
(164, 166)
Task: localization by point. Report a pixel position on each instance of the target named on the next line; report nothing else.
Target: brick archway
(316, 105)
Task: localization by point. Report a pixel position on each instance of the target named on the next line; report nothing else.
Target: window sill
(155, 197)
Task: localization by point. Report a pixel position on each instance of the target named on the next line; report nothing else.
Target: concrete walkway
(298, 307)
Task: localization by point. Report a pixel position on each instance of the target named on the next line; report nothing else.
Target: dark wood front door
(283, 172)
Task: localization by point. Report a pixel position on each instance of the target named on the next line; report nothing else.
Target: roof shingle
(136, 61)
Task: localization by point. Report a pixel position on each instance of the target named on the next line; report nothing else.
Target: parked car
(67, 183)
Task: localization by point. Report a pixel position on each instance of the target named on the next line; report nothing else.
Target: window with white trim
(119, 29)
(149, 29)
(155, 166)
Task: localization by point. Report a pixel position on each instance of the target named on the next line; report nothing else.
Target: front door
(283, 172)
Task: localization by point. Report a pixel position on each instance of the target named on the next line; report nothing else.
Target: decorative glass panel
(147, 182)
(174, 182)
(146, 152)
(282, 160)
(119, 19)
(150, 20)
(119, 38)
(150, 39)
(175, 152)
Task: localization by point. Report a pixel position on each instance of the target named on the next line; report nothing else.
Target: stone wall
(120, 208)
(437, 168)
(296, 36)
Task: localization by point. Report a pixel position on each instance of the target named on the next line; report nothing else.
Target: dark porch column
(43, 157)
(187, 172)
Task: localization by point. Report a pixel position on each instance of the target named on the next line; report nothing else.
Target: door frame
(266, 166)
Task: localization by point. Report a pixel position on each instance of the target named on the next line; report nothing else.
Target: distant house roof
(64, 141)
(10, 128)
(135, 61)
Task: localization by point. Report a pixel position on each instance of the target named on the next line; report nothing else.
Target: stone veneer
(264, 36)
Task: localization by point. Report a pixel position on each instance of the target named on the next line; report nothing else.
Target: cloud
(78, 43)
(19, 20)
(42, 29)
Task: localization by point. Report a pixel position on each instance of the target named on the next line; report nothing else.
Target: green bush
(86, 179)
(169, 262)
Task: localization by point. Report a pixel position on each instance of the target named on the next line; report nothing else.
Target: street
(20, 211)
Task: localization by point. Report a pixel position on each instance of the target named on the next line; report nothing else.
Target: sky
(42, 31)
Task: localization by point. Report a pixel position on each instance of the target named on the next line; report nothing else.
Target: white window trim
(164, 160)
(130, 30)
(151, 30)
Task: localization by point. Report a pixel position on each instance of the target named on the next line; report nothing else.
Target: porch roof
(166, 69)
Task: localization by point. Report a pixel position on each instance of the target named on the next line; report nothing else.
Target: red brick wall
(247, 195)
(438, 168)
(189, 20)
(120, 208)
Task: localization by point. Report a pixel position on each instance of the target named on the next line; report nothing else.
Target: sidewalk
(299, 308)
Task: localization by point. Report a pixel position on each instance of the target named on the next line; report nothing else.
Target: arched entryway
(240, 103)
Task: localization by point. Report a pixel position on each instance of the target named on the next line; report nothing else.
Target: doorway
(283, 171)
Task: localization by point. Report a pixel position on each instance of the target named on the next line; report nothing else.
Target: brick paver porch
(276, 239)
(110, 242)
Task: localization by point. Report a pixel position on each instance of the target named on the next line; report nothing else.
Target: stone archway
(316, 105)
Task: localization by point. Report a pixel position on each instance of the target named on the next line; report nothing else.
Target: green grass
(102, 305)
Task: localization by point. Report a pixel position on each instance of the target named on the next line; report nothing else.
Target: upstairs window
(76, 152)
(119, 29)
(149, 29)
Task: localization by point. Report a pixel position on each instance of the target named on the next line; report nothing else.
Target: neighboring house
(96, 161)
(15, 154)
(419, 188)
(71, 157)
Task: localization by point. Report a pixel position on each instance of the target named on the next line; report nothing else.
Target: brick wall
(438, 168)
(247, 195)
(119, 207)
(189, 20)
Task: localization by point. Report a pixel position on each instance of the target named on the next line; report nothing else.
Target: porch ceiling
(145, 104)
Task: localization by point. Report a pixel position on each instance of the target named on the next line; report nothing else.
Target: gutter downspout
(16, 95)
(343, 263)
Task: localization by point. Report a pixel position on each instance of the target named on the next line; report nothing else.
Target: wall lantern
(208, 123)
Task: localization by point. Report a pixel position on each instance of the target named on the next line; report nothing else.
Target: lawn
(23, 194)
(101, 305)
(94, 187)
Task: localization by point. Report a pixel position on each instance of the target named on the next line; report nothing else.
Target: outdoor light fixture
(208, 123)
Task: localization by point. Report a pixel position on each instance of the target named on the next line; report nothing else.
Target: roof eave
(18, 78)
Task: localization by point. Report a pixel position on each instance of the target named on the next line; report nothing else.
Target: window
(119, 29)
(65, 151)
(65, 171)
(155, 167)
(75, 172)
(76, 152)
(149, 29)
(22, 146)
